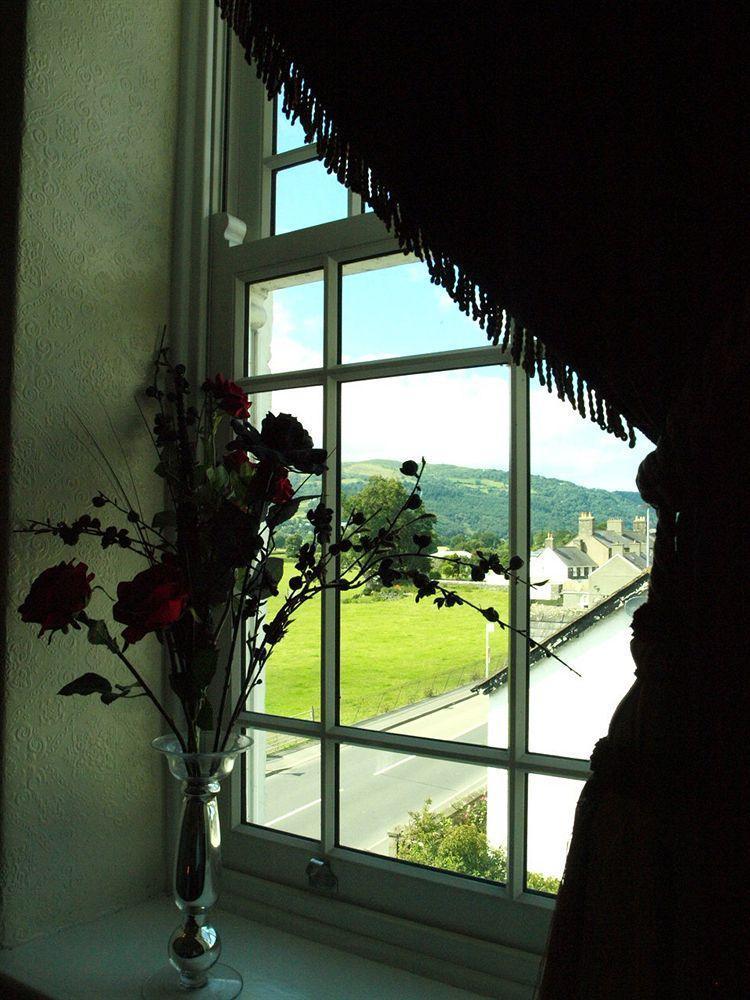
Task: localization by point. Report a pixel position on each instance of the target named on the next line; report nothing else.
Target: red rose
(229, 396)
(270, 482)
(57, 595)
(282, 488)
(234, 460)
(152, 600)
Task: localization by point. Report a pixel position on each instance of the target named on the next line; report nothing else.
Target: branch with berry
(210, 562)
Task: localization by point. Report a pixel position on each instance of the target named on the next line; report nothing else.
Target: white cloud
(565, 446)
(288, 353)
(458, 418)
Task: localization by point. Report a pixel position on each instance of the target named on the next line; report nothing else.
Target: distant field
(393, 653)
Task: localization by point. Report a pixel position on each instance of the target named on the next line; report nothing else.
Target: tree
(292, 543)
(379, 500)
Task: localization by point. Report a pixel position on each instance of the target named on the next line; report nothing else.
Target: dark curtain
(580, 165)
(576, 176)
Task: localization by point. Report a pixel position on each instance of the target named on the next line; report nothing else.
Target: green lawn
(393, 652)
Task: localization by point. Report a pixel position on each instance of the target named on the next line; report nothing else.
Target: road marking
(294, 812)
(396, 763)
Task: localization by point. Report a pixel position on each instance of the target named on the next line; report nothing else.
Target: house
(615, 539)
(555, 568)
(593, 564)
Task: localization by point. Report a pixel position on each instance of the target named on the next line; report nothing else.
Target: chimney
(615, 524)
(639, 525)
(586, 524)
(549, 541)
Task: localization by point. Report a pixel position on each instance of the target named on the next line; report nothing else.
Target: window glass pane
(288, 136)
(592, 544)
(306, 195)
(551, 808)
(410, 667)
(291, 676)
(390, 308)
(285, 324)
(282, 783)
(433, 812)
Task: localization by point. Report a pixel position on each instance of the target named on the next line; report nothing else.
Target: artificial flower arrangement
(210, 563)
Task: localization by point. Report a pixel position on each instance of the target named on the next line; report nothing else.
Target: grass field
(393, 652)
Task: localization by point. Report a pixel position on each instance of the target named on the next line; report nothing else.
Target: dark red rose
(270, 482)
(228, 396)
(282, 488)
(234, 460)
(57, 595)
(152, 600)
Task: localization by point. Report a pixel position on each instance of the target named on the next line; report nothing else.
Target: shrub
(458, 842)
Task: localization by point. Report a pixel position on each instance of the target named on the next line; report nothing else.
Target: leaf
(218, 477)
(272, 573)
(98, 634)
(281, 512)
(183, 686)
(111, 696)
(164, 519)
(203, 666)
(87, 684)
(205, 717)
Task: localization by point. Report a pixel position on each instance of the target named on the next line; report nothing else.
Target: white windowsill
(112, 957)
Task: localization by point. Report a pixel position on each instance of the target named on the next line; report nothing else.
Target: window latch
(320, 875)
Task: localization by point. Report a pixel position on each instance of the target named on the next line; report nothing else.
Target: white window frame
(433, 921)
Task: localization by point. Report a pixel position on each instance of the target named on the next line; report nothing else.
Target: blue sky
(460, 417)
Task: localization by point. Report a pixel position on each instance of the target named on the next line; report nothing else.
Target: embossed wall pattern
(82, 814)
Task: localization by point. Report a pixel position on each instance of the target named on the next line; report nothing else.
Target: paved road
(379, 788)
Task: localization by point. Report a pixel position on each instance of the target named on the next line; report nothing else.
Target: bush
(458, 843)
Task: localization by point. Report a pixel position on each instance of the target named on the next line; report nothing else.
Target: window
(428, 757)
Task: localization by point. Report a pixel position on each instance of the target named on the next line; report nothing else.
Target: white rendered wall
(82, 812)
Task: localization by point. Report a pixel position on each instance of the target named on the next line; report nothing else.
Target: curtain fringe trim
(275, 66)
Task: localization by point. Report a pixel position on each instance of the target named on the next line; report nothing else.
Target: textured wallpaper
(82, 816)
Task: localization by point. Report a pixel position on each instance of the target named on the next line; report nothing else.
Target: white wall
(82, 814)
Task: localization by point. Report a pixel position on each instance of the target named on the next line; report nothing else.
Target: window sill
(112, 956)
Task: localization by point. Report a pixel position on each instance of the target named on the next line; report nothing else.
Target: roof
(612, 538)
(638, 536)
(637, 561)
(571, 555)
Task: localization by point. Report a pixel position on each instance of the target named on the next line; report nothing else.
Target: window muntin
(285, 324)
(477, 907)
(284, 793)
(419, 676)
(433, 811)
(291, 678)
(550, 810)
(286, 135)
(390, 308)
(305, 195)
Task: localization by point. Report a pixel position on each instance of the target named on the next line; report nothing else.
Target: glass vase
(195, 946)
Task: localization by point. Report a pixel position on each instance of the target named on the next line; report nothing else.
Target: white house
(558, 566)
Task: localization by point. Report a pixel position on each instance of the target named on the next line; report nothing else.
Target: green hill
(470, 501)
